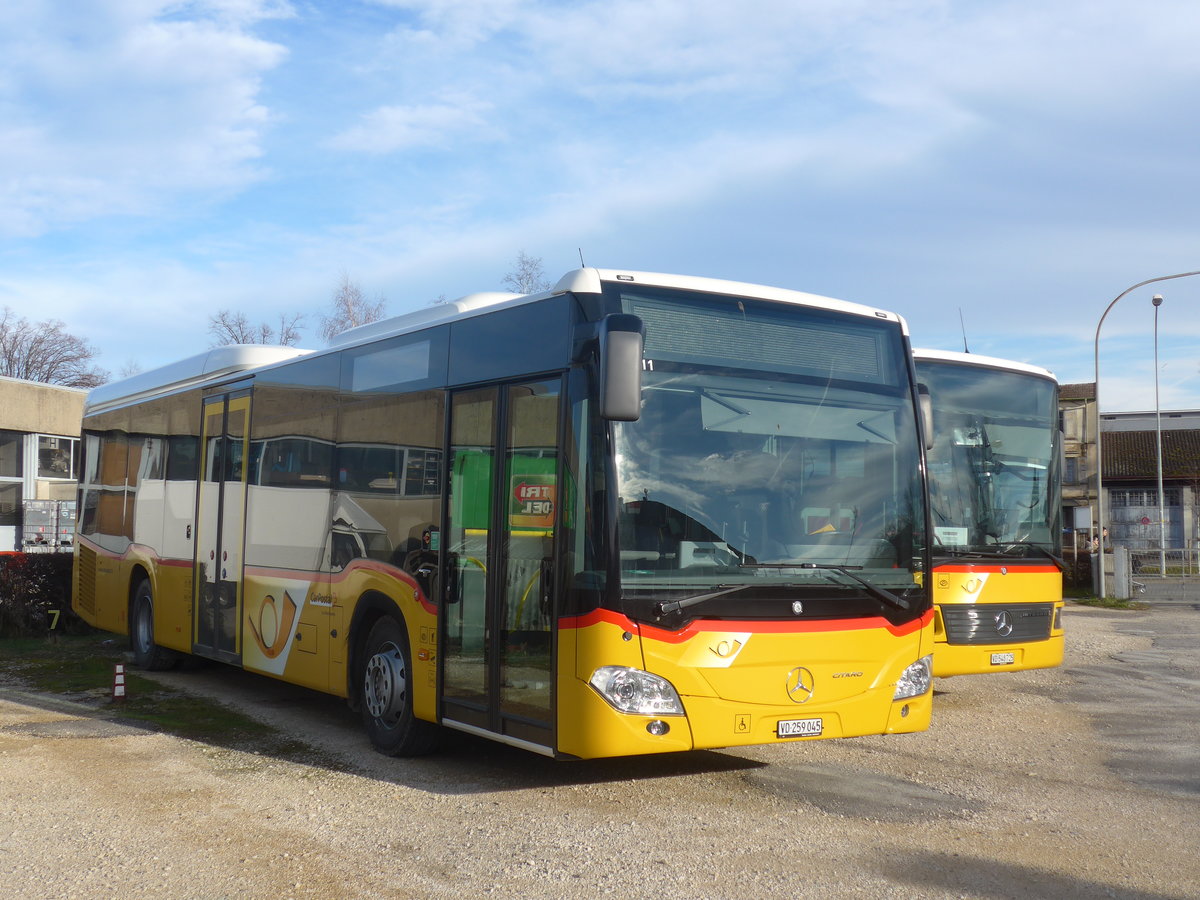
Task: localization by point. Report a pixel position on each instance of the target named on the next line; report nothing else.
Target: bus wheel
(146, 653)
(387, 704)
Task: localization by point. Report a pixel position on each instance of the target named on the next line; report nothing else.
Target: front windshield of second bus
(993, 467)
(776, 456)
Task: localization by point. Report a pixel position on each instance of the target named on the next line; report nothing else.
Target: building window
(1070, 423)
(56, 456)
(1071, 470)
(1141, 498)
(10, 504)
(10, 454)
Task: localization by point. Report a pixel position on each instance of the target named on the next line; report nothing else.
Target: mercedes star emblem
(1004, 625)
(800, 684)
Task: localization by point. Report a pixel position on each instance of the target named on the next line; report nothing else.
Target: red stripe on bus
(701, 626)
(1034, 568)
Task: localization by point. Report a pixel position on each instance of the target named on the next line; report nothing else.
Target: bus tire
(386, 698)
(147, 654)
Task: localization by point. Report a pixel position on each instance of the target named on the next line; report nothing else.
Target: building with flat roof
(39, 460)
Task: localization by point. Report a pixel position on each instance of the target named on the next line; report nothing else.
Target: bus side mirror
(926, 403)
(622, 337)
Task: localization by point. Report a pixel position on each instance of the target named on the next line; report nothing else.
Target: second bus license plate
(1003, 659)
(798, 728)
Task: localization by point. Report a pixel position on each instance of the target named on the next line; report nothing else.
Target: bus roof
(584, 280)
(221, 362)
(590, 281)
(974, 359)
(211, 365)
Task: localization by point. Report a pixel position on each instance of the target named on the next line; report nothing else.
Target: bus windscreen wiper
(873, 589)
(669, 606)
(1057, 560)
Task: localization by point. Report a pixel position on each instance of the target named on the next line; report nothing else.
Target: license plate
(1003, 659)
(798, 728)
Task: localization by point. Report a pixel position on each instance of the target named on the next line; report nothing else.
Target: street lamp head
(1156, 299)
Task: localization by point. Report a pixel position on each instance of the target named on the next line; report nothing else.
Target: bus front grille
(997, 623)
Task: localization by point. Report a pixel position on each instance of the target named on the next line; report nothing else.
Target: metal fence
(1171, 563)
(1155, 574)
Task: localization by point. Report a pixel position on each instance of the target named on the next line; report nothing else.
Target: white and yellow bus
(995, 486)
(634, 514)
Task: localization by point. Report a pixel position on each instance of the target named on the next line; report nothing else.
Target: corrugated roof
(1134, 454)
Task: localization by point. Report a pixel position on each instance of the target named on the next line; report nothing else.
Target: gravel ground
(1079, 782)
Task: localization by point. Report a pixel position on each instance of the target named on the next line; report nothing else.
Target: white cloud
(392, 128)
(960, 60)
(120, 108)
(1026, 160)
(462, 23)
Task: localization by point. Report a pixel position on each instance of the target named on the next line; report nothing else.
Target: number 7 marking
(54, 613)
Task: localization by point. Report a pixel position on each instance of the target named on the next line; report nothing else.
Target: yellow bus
(995, 486)
(633, 514)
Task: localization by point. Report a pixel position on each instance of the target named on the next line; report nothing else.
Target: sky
(996, 171)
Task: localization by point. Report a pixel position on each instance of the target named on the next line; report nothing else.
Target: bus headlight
(915, 680)
(636, 692)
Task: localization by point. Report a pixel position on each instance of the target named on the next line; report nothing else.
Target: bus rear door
(221, 527)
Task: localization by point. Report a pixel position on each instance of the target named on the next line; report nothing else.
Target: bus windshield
(776, 448)
(994, 464)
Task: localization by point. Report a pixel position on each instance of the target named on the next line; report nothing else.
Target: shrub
(32, 587)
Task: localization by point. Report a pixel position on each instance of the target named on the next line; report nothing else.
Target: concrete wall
(40, 408)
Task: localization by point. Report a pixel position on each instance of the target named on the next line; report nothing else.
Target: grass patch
(74, 667)
(1110, 602)
(80, 669)
(1087, 597)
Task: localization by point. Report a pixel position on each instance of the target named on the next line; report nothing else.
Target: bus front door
(220, 527)
(498, 648)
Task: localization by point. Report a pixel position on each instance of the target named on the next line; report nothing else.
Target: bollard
(118, 692)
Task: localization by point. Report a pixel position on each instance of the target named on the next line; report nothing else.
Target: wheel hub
(145, 630)
(385, 684)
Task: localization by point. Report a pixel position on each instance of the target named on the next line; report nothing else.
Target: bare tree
(45, 352)
(350, 308)
(527, 277)
(228, 327)
(289, 329)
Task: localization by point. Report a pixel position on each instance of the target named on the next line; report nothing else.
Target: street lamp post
(1099, 452)
(1162, 518)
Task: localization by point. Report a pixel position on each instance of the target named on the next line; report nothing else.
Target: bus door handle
(547, 577)
(452, 579)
